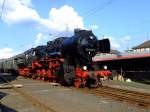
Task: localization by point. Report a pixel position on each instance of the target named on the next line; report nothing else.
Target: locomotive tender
(67, 60)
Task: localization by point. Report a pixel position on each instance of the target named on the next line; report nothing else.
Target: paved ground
(59, 99)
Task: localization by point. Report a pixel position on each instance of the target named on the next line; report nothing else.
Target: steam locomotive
(67, 60)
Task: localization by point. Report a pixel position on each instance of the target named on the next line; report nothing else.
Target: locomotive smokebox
(82, 44)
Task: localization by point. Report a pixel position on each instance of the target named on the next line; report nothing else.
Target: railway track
(31, 100)
(132, 97)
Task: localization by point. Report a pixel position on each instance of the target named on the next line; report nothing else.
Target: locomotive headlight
(105, 67)
(84, 67)
(91, 37)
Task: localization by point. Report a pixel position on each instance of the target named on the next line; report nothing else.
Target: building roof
(143, 45)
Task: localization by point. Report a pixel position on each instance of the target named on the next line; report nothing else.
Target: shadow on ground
(4, 77)
(4, 108)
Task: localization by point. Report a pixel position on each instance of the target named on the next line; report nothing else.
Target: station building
(133, 63)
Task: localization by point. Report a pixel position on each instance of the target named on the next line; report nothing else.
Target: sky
(28, 23)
